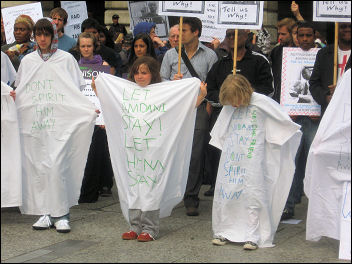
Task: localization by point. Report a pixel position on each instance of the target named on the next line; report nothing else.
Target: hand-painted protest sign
(332, 11)
(150, 133)
(77, 12)
(147, 11)
(297, 67)
(89, 71)
(9, 15)
(345, 231)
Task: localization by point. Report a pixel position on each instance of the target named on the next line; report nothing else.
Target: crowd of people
(42, 49)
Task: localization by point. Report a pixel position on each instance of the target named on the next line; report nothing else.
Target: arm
(202, 94)
(295, 11)
(264, 82)
(165, 69)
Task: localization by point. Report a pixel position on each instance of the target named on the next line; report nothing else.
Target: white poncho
(256, 168)
(150, 133)
(56, 125)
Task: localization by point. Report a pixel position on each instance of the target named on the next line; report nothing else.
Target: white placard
(297, 67)
(345, 231)
(77, 13)
(332, 11)
(9, 15)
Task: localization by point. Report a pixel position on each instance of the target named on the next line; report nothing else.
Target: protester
(144, 224)
(321, 81)
(309, 126)
(105, 38)
(174, 33)
(23, 45)
(116, 29)
(3, 37)
(59, 16)
(51, 183)
(125, 53)
(250, 189)
(254, 66)
(285, 27)
(201, 59)
(98, 175)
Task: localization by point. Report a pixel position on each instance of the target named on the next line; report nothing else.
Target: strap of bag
(187, 62)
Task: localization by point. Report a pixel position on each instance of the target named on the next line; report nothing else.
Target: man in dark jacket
(254, 66)
(117, 28)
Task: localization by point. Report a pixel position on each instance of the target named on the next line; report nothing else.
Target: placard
(77, 13)
(147, 11)
(89, 71)
(9, 15)
(332, 11)
(297, 67)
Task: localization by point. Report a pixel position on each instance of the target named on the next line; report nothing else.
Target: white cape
(56, 125)
(259, 145)
(11, 175)
(150, 133)
(8, 72)
(329, 165)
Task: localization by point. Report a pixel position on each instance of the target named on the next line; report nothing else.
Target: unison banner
(150, 133)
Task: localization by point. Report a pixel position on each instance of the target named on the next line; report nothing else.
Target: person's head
(145, 27)
(86, 44)
(174, 35)
(345, 33)
(115, 19)
(144, 71)
(105, 37)
(142, 45)
(305, 35)
(91, 25)
(307, 72)
(59, 16)
(44, 34)
(152, 6)
(191, 29)
(242, 36)
(23, 29)
(294, 35)
(236, 91)
(127, 42)
(284, 30)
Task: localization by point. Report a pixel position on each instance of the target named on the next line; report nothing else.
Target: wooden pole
(335, 51)
(180, 46)
(235, 52)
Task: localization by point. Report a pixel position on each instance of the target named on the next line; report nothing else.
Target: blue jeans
(309, 129)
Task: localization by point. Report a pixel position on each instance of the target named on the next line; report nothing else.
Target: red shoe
(130, 235)
(144, 237)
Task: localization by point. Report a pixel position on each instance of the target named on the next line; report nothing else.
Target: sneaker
(105, 192)
(43, 223)
(144, 237)
(210, 192)
(192, 211)
(62, 226)
(130, 235)
(249, 245)
(219, 241)
(286, 214)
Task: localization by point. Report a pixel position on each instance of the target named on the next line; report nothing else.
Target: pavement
(96, 230)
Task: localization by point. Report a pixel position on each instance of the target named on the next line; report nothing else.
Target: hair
(61, 12)
(235, 86)
(43, 25)
(195, 23)
(90, 23)
(26, 20)
(153, 66)
(150, 47)
(109, 42)
(86, 35)
(287, 22)
(305, 24)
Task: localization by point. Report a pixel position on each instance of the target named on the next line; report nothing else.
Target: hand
(158, 41)
(215, 42)
(102, 126)
(203, 89)
(332, 89)
(97, 111)
(295, 11)
(178, 76)
(93, 86)
(13, 94)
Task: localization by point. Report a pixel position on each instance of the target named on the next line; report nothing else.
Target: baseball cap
(115, 16)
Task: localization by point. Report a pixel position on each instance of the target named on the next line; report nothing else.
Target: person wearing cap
(116, 29)
(23, 45)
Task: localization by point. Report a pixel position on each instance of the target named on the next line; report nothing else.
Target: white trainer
(44, 222)
(62, 226)
(249, 245)
(219, 241)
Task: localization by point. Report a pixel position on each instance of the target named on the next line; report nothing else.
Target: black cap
(115, 16)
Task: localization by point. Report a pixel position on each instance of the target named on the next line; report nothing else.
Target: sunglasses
(343, 26)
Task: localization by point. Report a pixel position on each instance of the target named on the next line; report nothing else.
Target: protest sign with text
(77, 13)
(332, 11)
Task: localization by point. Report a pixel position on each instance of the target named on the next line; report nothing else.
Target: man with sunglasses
(252, 65)
(321, 82)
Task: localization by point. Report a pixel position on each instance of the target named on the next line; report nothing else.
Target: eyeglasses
(343, 26)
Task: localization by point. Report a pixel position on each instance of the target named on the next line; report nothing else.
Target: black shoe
(105, 192)
(192, 211)
(210, 192)
(286, 214)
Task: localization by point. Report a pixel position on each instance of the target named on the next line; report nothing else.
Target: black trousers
(98, 172)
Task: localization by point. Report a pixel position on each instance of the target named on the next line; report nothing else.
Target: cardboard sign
(10, 14)
(332, 11)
